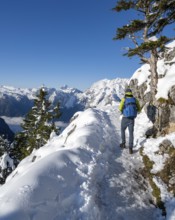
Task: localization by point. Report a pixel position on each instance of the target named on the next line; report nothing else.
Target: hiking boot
(122, 145)
(130, 150)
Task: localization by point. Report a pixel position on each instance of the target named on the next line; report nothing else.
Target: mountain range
(83, 173)
(16, 102)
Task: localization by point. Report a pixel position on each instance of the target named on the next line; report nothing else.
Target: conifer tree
(37, 126)
(145, 31)
(6, 160)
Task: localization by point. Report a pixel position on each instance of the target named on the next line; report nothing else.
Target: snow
(105, 92)
(17, 92)
(141, 74)
(82, 174)
(166, 70)
(171, 45)
(68, 97)
(4, 160)
(153, 38)
(166, 83)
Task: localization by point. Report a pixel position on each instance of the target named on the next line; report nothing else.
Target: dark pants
(127, 123)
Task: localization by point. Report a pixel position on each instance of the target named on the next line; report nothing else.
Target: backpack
(130, 107)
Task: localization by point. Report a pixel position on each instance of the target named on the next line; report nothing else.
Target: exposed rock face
(163, 113)
(139, 92)
(171, 94)
(172, 113)
(169, 55)
(166, 174)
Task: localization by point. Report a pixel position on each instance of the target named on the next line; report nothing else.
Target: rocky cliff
(162, 113)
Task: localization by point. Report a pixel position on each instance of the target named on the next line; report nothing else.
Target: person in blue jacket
(129, 107)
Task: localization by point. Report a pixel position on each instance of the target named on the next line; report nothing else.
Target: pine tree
(152, 16)
(37, 126)
(6, 160)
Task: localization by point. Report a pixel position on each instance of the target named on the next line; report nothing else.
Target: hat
(128, 91)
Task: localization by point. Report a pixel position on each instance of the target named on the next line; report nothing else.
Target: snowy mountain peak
(17, 93)
(106, 92)
(17, 102)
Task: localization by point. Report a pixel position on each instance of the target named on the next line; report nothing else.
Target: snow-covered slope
(82, 174)
(105, 92)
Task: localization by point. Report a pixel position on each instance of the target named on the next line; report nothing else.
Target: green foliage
(145, 47)
(124, 5)
(145, 31)
(151, 17)
(135, 26)
(148, 163)
(37, 126)
(4, 145)
(162, 101)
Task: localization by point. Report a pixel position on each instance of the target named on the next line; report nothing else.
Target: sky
(61, 42)
(84, 174)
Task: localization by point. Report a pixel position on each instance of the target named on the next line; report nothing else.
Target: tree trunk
(154, 73)
(158, 124)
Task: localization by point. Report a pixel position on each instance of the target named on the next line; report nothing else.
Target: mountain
(105, 92)
(15, 102)
(84, 174)
(5, 131)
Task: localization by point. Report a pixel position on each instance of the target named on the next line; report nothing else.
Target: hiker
(129, 107)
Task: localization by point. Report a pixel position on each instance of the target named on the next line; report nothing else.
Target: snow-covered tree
(6, 160)
(37, 126)
(145, 31)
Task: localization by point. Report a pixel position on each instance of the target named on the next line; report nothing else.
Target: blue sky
(58, 42)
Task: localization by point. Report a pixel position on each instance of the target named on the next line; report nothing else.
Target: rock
(171, 94)
(165, 146)
(151, 132)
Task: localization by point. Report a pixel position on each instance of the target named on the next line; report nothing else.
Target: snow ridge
(81, 174)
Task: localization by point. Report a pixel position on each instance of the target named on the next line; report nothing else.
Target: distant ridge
(16, 102)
